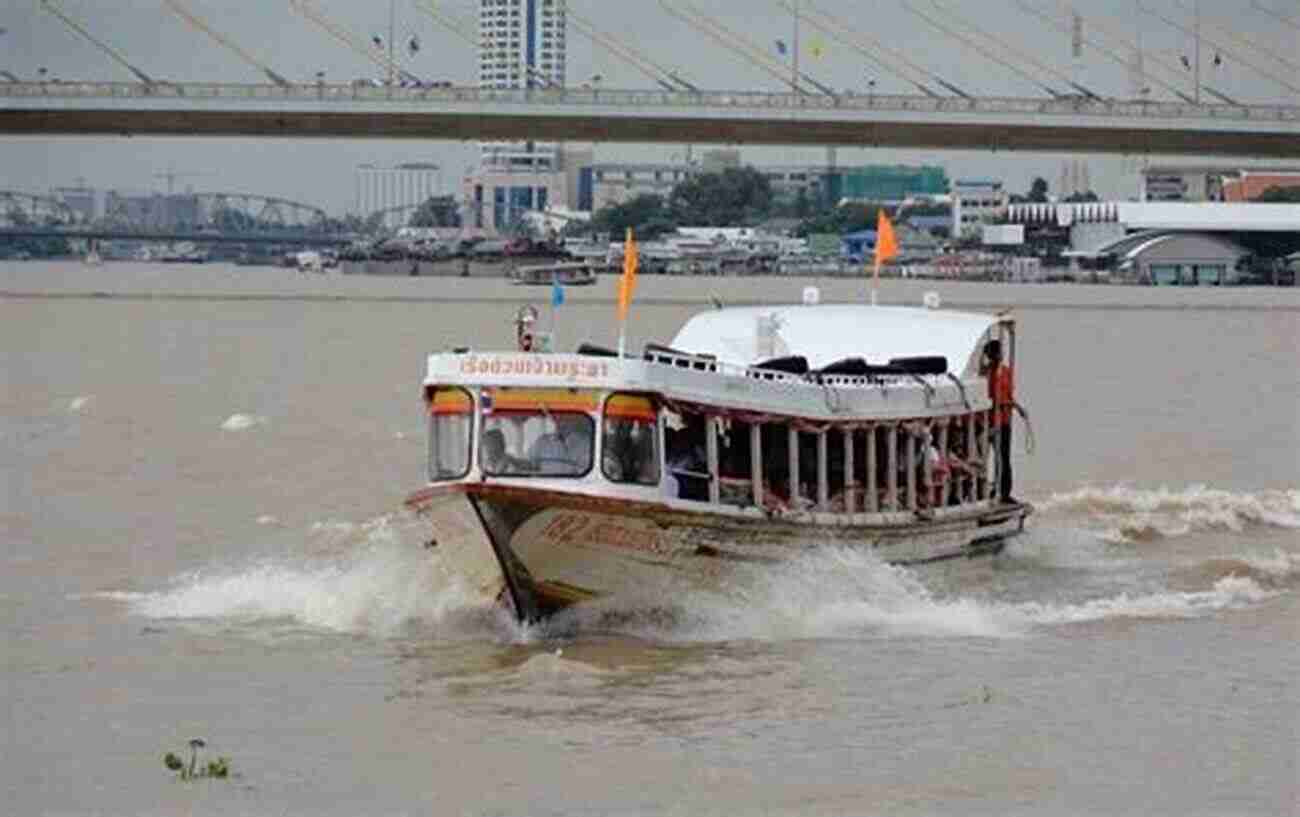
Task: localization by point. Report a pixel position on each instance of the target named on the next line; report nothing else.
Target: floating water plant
(219, 768)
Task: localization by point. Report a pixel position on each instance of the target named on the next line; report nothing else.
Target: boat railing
(710, 364)
(685, 360)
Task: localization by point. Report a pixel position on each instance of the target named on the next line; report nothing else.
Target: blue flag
(557, 293)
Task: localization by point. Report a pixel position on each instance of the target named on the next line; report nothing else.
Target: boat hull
(541, 551)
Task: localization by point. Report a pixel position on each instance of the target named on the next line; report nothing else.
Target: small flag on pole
(626, 286)
(886, 248)
(886, 243)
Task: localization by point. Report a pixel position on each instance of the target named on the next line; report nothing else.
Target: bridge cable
(984, 51)
(49, 6)
(460, 27)
(1245, 42)
(1223, 50)
(670, 78)
(350, 40)
(839, 30)
(739, 44)
(1064, 26)
(197, 22)
(1147, 56)
(1294, 22)
(1008, 47)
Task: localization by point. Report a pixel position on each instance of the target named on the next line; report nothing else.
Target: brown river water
(203, 537)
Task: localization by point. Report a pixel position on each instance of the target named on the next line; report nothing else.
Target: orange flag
(886, 244)
(627, 284)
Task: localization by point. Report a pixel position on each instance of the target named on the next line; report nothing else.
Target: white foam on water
(842, 593)
(242, 422)
(79, 404)
(374, 578)
(1125, 514)
(1228, 593)
(334, 527)
(268, 519)
(1279, 565)
(383, 586)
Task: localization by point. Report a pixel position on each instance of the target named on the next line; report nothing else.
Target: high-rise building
(521, 47)
(521, 43)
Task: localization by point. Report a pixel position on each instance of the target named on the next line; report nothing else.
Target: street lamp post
(794, 62)
(392, 26)
(1197, 94)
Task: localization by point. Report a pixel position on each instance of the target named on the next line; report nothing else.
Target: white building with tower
(521, 48)
(396, 189)
(976, 202)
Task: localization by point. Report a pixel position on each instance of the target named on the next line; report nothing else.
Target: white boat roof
(826, 333)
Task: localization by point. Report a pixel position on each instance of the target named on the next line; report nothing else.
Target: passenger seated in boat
(493, 458)
(688, 476)
(566, 451)
(629, 453)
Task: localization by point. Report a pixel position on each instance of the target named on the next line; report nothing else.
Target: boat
(566, 274)
(756, 434)
(587, 250)
(186, 252)
(308, 261)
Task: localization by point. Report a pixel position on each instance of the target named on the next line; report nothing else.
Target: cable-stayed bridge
(1075, 124)
(1179, 102)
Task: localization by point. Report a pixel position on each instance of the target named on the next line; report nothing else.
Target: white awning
(831, 332)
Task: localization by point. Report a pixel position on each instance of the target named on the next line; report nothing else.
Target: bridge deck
(1055, 125)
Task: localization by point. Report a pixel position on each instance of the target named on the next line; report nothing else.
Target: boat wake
(375, 579)
(242, 422)
(1124, 514)
(841, 593)
(371, 578)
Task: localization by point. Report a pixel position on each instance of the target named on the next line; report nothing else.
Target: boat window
(807, 470)
(735, 463)
(629, 449)
(686, 454)
(774, 455)
(536, 432)
(451, 423)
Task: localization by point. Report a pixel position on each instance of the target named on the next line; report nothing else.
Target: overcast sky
(1252, 39)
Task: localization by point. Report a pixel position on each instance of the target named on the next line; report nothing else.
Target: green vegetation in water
(219, 768)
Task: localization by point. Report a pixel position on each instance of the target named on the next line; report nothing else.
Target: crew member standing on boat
(1002, 393)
